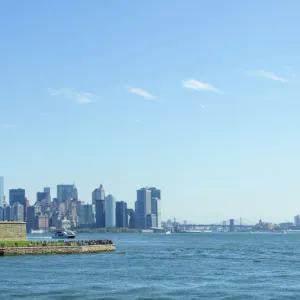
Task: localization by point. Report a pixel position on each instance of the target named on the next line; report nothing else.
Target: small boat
(32, 231)
(60, 234)
(168, 232)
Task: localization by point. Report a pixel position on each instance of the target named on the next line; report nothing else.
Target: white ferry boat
(38, 231)
(61, 234)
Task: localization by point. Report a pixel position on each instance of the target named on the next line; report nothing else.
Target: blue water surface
(157, 266)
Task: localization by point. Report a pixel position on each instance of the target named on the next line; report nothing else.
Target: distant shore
(99, 230)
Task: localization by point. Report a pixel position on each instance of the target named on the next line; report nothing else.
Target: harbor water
(158, 266)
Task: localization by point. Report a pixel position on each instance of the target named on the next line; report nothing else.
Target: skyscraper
(98, 194)
(110, 211)
(156, 205)
(98, 198)
(151, 220)
(18, 211)
(18, 196)
(131, 218)
(87, 214)
(66, 191)
(1, 191)
(121, 214)
(48, 193)
(30, 224)
(40, 196)
(142, 207)
(100, 213)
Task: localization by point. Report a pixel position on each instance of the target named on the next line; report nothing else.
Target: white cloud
(198, 85)
(80, 97)
(141, 93)
(265, 74)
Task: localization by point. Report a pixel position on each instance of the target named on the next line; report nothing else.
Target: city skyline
(131, 204)
(199, 99)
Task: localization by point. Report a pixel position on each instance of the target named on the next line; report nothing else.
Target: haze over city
(202, 103)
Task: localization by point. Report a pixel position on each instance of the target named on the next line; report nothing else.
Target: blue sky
(198, 98)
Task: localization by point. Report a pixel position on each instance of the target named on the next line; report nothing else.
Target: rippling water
(156, 266)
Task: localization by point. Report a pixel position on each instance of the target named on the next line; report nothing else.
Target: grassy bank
(27, 243)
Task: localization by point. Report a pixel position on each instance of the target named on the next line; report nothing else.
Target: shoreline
(55, 249)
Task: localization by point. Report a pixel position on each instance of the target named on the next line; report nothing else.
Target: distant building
(297, 221)
(48, 194)
(66, 191)
(64, 224)
(30, 224)
(285, 225)
(151, 220)
(131, 218)
(87, 214)
(98, 194)
(156, 205)
(142, 207)
(121, 214)
(8, 213)
(100, 213)
(18, 196)
(18, 212)
(1, 191)
(2, 210)
(41, 196)
(110, 211)
(42, 222)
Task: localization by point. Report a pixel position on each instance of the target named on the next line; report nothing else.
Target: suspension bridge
(232, 224)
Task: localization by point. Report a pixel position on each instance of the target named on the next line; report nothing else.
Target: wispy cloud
(80, 97)
(265, 74)
(141, 93)
(197, 85)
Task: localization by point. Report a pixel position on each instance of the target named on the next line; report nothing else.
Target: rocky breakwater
(33, 248)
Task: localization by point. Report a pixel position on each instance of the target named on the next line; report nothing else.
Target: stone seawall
(10, 251)
(13, 231)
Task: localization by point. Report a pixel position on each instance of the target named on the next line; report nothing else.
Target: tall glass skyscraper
(1, 191)
(65, 192)
(110, 211)
(142, 207)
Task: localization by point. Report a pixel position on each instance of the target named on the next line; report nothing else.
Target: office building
(131, 218)
(100, 213)
(87, 214)
(48, 194)
(156, 205)
(142, 207)
(18, 196)
(2, 209)
(121, 214)
(151, 220)
(110, 211)
(155, 193)
(30, 224)
(42, 222)
(41, 197)
(297, 221)
(1, 191)
(98, 194)
(8, 213)
(65, 192)
(18, 212)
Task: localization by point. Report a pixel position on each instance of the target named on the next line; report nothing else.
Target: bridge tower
(231, 225)
(224, 225)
